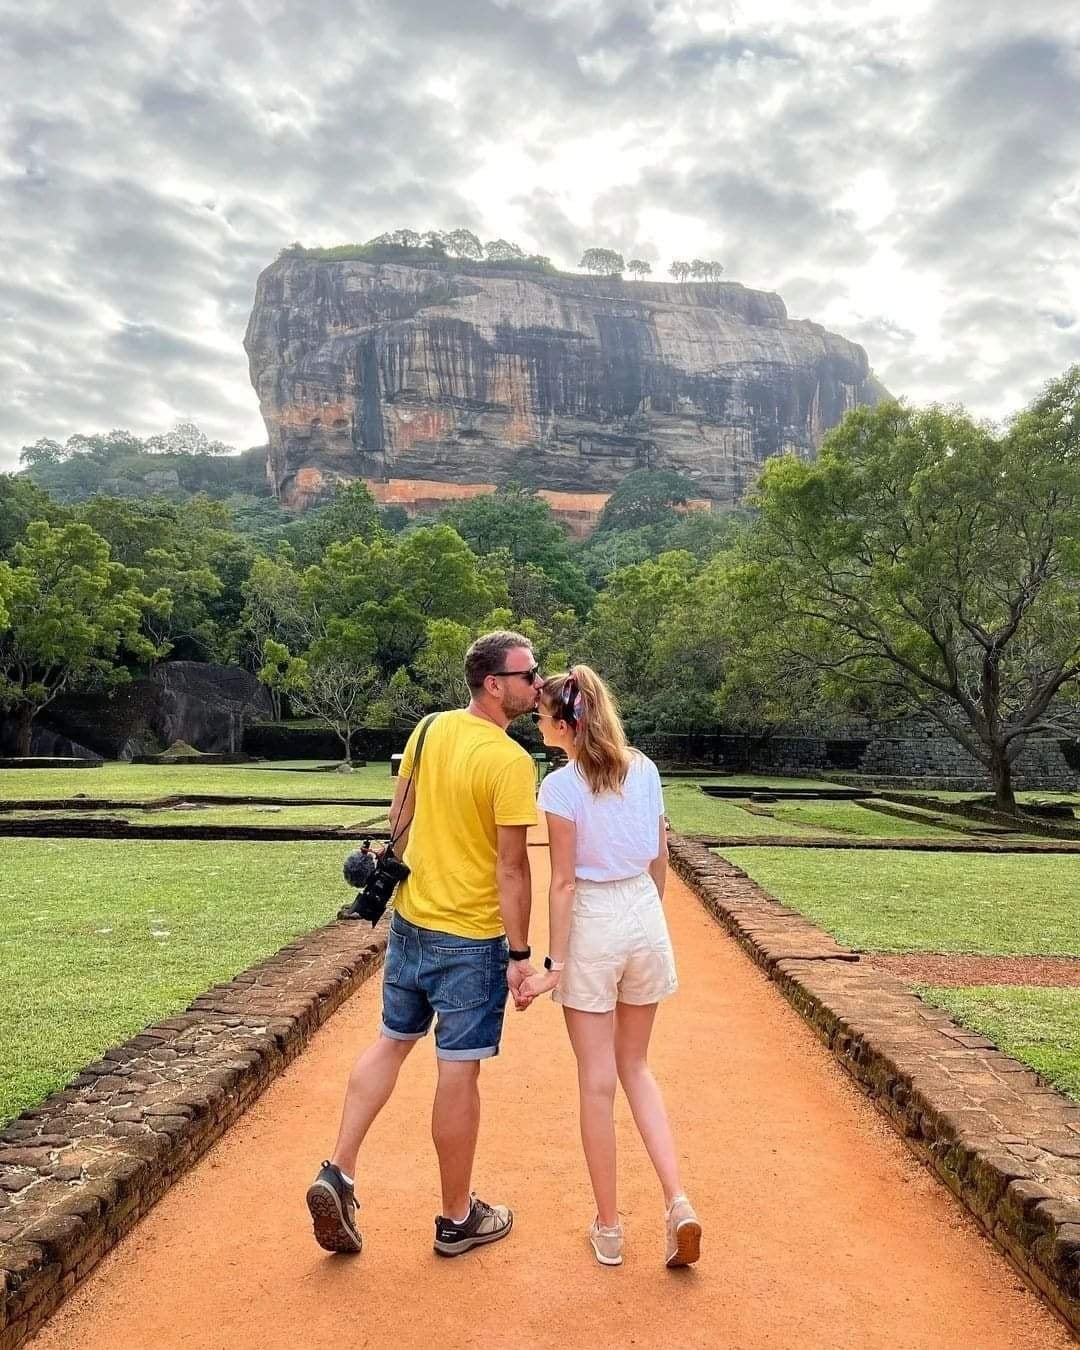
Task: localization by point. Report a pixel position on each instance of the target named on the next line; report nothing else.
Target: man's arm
(514, 878)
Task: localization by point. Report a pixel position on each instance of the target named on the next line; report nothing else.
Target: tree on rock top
(502, 250)
(603, 262)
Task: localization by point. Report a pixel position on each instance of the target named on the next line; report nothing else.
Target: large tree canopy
(922, 565)
(71, 613)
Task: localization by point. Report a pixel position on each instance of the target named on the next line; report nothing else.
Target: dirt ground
(820, 1230)
(946, 968)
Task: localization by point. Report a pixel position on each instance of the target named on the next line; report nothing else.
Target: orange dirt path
(820, 1230)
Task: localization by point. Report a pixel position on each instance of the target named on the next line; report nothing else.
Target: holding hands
(527, 984)
(542, 983)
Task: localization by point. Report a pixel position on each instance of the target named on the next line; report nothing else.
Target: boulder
(202, 704)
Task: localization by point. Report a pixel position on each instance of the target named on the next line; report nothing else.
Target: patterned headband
(571, 702)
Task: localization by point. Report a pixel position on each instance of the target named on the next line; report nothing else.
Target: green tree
(502, 250)
(42, 454)
(629, 615)
(604, 261)
(464, 244)
(645, 497)
(72, 613)
(638, 267)
(923, 566)
(519, 521)
(352, 514)
(22, 501)
(275, 611)
(187, 439)
(194, 552)
(679, 270)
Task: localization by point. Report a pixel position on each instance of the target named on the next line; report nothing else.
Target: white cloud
(902, 170)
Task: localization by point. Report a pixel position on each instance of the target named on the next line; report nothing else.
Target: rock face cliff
(433, 385)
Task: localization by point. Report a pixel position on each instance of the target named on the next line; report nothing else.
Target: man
(458, 942)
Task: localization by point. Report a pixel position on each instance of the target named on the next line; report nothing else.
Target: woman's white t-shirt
(618, 836)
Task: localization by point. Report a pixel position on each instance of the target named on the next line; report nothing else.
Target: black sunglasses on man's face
(529, 675)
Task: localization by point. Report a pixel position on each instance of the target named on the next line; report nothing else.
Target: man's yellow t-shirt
(472, 778)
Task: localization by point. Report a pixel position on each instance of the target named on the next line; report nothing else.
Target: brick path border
(1004, 1141)
(78, 1171)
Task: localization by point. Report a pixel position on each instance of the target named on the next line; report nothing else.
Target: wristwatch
(522, 955)
(556, 966)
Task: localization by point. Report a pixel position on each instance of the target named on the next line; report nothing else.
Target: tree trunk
(346, 736)
(1001, 774)
(24, 725)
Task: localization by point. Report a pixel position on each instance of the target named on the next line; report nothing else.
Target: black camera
(371, 902)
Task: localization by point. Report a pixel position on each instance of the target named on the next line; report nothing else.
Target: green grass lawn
(135, 782)
(1039, 1026)
(98, 938)
(851, 818)
(937, 902)
(690, 811)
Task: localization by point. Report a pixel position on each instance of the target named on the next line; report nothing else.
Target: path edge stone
(78, 1171)
(885, 1037)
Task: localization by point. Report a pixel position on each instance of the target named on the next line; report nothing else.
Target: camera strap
(395, 833)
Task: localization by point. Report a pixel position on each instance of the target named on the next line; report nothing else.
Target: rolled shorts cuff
(384, 1030)
(485, 1052)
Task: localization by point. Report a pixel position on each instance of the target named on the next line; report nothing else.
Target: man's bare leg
(370, 1084)
(455, 1124)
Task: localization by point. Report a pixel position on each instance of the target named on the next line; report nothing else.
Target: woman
(610, 960)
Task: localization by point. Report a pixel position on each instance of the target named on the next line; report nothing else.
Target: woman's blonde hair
(583, 700)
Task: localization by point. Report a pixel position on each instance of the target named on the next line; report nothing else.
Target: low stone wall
(1005, 1142)
(77, 1172)
(920, 754)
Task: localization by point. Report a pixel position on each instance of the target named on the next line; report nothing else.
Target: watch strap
(520, 955)
(554, 966)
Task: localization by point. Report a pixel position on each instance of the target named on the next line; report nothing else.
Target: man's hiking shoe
(333, 1208)
(607, 1243)
(683, 1233)
(486, 1223)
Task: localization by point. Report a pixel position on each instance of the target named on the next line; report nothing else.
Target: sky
(903, 171)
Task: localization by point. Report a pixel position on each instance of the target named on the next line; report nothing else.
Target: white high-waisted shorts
(619, 949)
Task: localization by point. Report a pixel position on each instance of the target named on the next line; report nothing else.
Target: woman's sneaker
(333, 1207)
(683, 1233)
(607, 1243)
(485, 1223)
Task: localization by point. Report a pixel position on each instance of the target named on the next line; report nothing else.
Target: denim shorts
(461, 979)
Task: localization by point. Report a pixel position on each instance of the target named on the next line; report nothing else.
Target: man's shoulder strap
(425, 727)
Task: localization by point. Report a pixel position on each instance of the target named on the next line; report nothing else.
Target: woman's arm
(562, 846)
(658, 866)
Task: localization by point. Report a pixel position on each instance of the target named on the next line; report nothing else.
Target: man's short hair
(488, 655)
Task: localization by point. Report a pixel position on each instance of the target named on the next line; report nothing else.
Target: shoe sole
(332, 1233)
(687, 1244)
(467, 1244)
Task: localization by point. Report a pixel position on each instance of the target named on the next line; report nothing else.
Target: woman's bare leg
(633, 1027)
(592, 1036)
